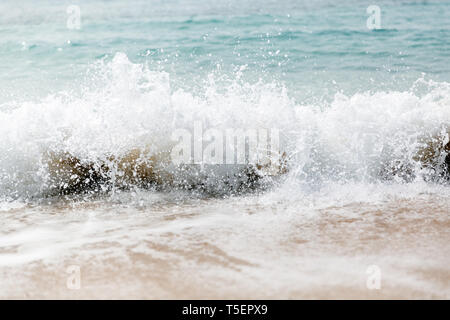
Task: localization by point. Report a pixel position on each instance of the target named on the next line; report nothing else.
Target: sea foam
(122, 106)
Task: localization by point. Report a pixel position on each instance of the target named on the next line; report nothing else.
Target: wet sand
(236, 248)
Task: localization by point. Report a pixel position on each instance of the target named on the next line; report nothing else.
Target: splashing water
(87, 118)
(362, 138)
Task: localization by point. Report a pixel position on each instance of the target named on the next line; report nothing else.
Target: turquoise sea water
(317, 48)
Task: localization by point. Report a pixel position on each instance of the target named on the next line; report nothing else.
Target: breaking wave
(116, 132)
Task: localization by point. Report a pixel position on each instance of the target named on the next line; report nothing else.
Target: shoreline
(246, 249)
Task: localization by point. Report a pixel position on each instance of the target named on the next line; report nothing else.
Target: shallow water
(356, 110)
(146, 246)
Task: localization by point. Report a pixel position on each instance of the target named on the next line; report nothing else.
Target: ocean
(356, 204)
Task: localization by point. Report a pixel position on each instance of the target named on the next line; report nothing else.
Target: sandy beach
(245, 248)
